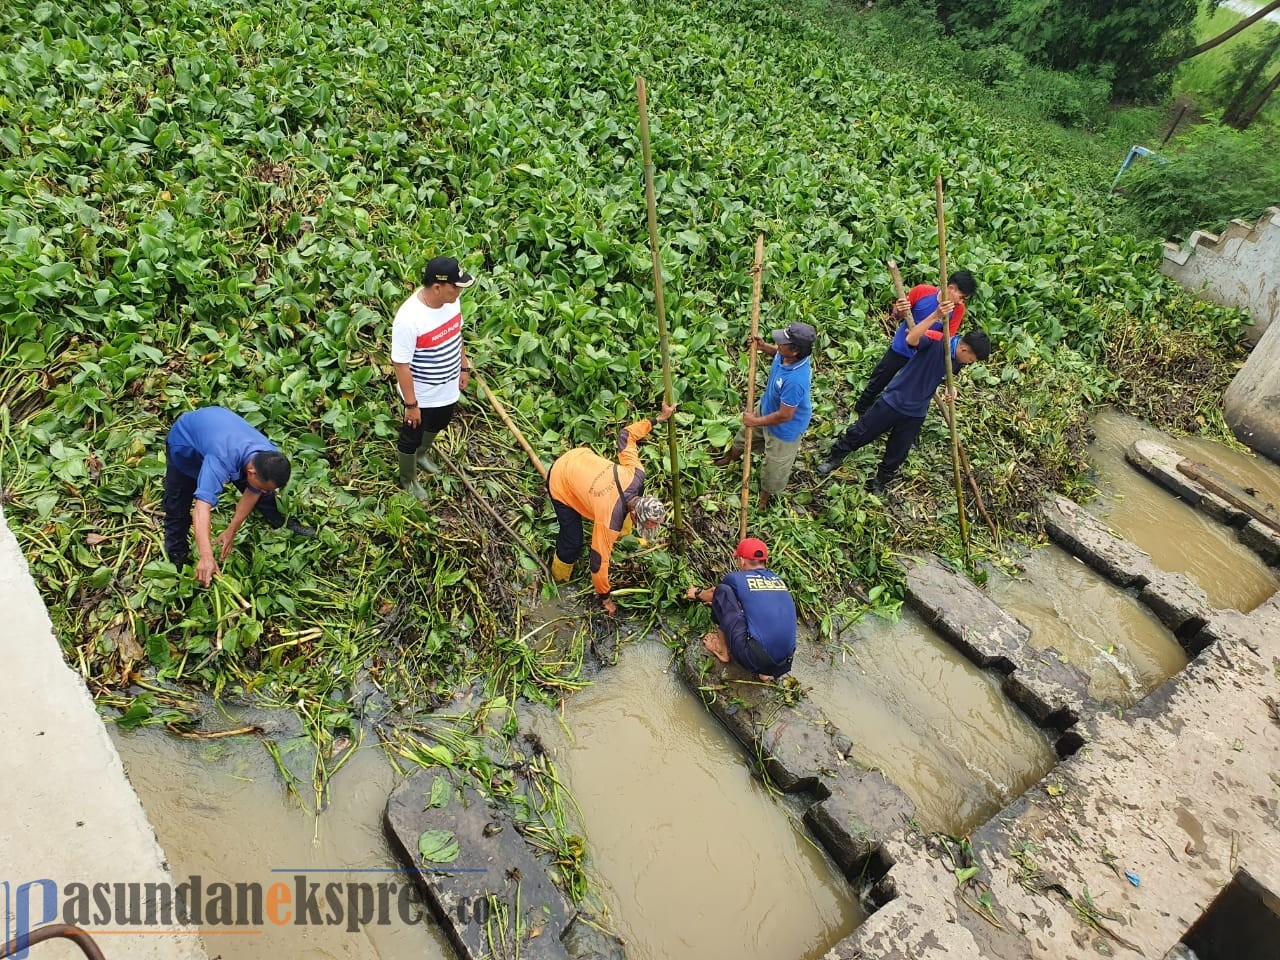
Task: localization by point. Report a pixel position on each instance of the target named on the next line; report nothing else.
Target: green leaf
(44, 504)
(158, 650)
(438, 846)
(161, 572)
(718, 435)
(438, 754)
(100, 577)
(138, 712)
(56, 271)
(441, 792)
(965, 874)
(310, 443)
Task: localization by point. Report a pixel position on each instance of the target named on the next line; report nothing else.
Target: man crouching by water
(754, 614)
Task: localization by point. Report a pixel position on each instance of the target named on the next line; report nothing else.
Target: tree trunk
(1252, 109)
(1248, 88)
(1220, 38)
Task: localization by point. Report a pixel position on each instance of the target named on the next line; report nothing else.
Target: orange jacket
(586, 481)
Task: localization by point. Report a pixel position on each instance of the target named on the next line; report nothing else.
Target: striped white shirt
(429, 340)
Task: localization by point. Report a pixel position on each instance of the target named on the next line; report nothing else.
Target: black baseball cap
(797, 334)
(446, 270)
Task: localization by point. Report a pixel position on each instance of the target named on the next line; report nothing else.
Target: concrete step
(1052, 693)
(500, 899)
(794, 744)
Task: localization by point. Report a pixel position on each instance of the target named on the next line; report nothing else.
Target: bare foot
(714, 642)
(765, 678)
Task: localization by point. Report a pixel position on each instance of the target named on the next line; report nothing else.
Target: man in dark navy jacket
(920, 301)
(901, 409)
(754, 614)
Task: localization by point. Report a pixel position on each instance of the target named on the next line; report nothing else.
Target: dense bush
(1123, 40)
(1207, 177)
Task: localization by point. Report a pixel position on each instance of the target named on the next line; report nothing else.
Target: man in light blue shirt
(785, 409)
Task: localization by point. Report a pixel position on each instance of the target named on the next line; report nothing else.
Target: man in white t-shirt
(430, 363)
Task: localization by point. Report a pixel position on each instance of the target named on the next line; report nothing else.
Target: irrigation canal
(693, 856)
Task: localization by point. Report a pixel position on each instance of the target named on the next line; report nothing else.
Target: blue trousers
(179, 494)
(873, 424)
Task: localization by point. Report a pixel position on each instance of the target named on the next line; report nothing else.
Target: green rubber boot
(409, 476)
(424, 448)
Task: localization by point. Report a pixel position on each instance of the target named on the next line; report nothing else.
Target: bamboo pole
(973, 483)
(946, 353)
(457, 471)
(659, 304)
(757, 276)
(506, 418)
(898, 286)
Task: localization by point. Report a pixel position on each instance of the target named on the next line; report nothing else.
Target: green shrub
(1216, 174)
(1076, 99)
(994, 64)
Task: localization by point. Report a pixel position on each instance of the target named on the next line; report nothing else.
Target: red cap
(752, 549)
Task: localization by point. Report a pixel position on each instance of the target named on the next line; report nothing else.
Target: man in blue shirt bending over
(204, 450)
(754, 614)
(901, 409)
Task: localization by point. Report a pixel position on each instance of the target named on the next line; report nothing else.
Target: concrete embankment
(70, 815)
(1123, 847)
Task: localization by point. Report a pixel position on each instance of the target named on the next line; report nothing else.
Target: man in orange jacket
(583, 484)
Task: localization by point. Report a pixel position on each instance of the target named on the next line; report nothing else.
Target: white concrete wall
(67, 811)
(1238, 268)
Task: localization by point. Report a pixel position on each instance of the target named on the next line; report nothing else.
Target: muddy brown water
(692, 854)
(938, 727)
(1178, 537)
(220, 812)
(1123, 649)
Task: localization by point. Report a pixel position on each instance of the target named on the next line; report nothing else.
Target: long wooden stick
(651, 202)
(757, 275)
(898, 286)
(1222, 487)
(973, 483)
(458, 472)
(946, 353)
(515, 431)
